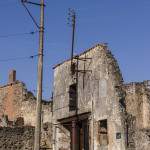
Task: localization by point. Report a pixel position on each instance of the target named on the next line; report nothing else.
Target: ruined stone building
(92, 108)
(17, 116)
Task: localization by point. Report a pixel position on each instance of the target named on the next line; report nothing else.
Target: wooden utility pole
(40, 80)
(37, 136)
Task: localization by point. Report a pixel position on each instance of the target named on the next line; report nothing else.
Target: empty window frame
(73, 97)
(103, 132)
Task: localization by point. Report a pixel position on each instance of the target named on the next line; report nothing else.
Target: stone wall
(97, 95)
(101, 97)
(101, 93)
(17, 102)
(18, 138)
(138, 115)
(11, 97)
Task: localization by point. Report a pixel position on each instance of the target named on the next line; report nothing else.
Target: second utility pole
(40, 79)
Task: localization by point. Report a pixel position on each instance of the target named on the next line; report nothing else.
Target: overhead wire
(19, 34)
(18, 58)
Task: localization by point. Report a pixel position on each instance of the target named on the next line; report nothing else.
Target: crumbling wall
(46, 136)
(10, 100)
(17, 102)
(63, 139)
(106, 94)
(137, 117)
(98, 77)
(18, 138)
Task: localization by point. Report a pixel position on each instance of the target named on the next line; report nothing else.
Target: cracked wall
(138, 114)
(97, 94)
(17, 102)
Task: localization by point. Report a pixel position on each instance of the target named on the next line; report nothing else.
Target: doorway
(80, 135)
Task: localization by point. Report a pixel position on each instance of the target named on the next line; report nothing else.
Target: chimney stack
(12, 76)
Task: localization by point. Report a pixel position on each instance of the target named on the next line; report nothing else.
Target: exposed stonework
(138, 114)
(92, 108)
(19, 138)
(97, 96)
(17, 102)
(117, 115)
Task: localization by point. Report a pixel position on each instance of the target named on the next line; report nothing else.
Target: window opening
(103, 132)
(73, 97)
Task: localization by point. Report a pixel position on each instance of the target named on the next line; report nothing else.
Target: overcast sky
(123, 24)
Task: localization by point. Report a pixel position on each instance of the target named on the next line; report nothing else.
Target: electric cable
(18, 34)
(18, 58)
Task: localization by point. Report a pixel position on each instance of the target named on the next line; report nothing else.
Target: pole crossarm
(30, 2)
(28, 11)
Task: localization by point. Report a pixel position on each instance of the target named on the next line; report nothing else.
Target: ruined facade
(18, 109)
(93, 109)
(138, 115)
(96, 122)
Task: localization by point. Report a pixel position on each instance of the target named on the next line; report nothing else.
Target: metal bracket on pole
(37, 4)
(29, 2)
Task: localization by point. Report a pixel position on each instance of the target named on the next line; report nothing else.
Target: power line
(18, 34)
(19, 58)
